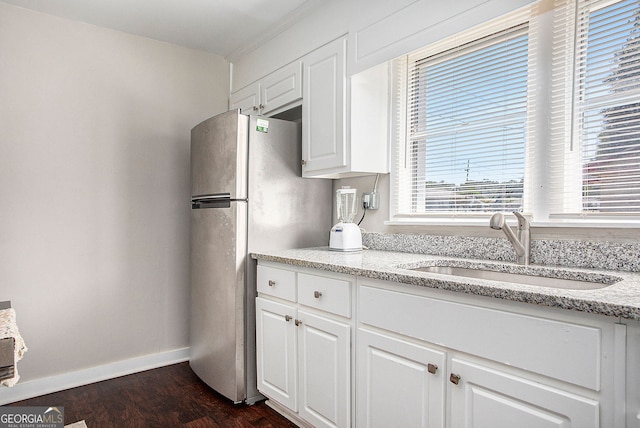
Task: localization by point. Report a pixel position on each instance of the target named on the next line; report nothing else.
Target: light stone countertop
(621, 299)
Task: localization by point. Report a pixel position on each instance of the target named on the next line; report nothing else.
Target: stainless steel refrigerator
(247, 195)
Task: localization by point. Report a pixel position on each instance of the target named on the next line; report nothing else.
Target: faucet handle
(523, 223)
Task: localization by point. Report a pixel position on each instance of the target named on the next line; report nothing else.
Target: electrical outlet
(370, 201)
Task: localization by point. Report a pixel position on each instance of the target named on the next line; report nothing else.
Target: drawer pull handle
(272, 283)
(454, 378)
(287, 318)
(432, 368)
(317, 294)
(298, 322)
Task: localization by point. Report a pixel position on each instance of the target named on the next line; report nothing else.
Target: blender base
(345, 237)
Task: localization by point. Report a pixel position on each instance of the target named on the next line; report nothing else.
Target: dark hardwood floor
(171, 396)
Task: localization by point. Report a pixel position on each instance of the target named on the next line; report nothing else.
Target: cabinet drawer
(327, 294)
(277, 282)
(562, 350)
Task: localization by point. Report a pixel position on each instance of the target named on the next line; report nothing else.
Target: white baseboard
(47, 385)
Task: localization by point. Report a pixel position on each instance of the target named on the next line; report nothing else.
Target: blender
(345, 235)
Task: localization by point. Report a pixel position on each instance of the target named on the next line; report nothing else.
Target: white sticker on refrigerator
(262, 125)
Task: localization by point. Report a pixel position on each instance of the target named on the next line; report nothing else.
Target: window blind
(563, 189)
(466, 101)
(602, 151)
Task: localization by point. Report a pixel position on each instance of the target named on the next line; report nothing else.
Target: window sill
(625, 222)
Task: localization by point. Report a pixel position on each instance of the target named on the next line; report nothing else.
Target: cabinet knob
(317, 294)
(272, 283)
(303, 162)
(432, 368)
(298, 322)
(261, 106)
(287, 318)
(454, 378)
(255, 108)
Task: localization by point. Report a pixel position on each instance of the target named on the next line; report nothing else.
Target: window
(536, 112)
(467, 116)
(608, 106)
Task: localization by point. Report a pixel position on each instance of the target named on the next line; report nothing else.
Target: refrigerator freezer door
(218, 250)
(219, 155)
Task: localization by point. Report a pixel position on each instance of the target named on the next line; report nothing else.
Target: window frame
(539, 199)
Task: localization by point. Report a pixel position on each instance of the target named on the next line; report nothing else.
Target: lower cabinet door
(484, 397)
(398, 383)
(325, 371)
(276, 351)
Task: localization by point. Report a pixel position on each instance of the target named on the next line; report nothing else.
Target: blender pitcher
(345, 235)
(346, 204)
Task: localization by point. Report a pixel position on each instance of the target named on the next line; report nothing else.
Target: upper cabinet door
(381, 30)
(246, 99)
(278, 90)
(281, 87)
(324, 108)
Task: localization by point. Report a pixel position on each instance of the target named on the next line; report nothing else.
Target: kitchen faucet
(521, 242)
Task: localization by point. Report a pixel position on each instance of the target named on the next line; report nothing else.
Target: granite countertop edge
(622, 299)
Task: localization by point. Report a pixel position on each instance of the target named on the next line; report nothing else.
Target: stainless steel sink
(533, 278)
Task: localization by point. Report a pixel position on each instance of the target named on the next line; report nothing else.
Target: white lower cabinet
(304, 345)
(399, 383)
(425, 361)
(276, 339)
(485, 397)
(430, 358)
(324, 358)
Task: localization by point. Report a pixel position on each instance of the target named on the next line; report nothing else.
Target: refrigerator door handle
(218, 200)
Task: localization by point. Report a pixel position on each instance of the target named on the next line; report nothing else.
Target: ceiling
(222, 27)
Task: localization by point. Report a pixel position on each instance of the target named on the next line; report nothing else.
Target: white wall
(326, 21)
(94, 188)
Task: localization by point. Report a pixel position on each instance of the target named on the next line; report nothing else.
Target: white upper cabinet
(324, 109)
(344, 120)
(381, 30)
(246, 99)
(275, 92)
(281, 88)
